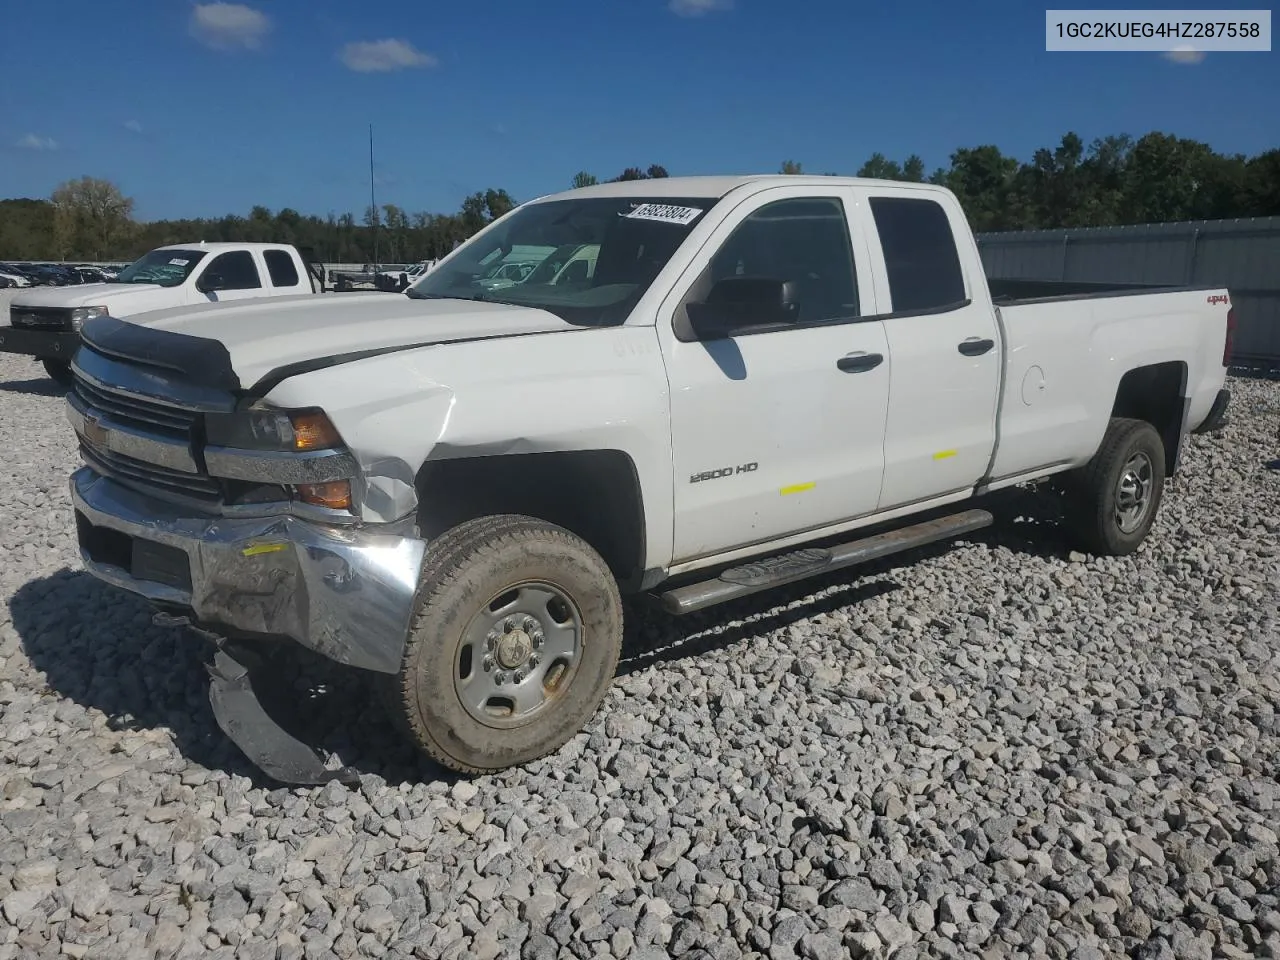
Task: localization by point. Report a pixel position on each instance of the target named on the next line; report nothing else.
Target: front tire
(59, 370)
(1114, 501)
(513, 646)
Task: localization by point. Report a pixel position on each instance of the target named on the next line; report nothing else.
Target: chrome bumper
(346, 593)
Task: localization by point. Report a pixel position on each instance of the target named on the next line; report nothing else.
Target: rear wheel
(513, 646)
(1113, 501)
(59, 370)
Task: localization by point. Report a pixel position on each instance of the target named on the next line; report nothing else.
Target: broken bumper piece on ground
(242, 717)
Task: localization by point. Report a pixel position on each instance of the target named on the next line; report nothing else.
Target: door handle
(974, 347)
(859, 362)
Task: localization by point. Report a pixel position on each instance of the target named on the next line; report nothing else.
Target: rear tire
(513, 645)
(1113, 500)
(59, 370)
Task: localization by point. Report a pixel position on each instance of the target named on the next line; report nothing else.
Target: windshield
(617, 245)
(168, 268)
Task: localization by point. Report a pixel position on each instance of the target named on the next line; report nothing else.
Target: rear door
(942, 335)
(777, 428)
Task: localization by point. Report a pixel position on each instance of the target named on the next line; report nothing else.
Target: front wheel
(513, 645)
(59, 370)
(1113, 502)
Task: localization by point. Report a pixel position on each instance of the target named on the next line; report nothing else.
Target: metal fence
(1242, 255)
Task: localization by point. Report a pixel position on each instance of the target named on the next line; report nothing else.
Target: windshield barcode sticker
(178, 263)
(665, 213)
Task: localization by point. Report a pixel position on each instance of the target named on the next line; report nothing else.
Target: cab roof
(220, 246)
(714, 187)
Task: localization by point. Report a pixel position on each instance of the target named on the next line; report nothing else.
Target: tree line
(1114, 180)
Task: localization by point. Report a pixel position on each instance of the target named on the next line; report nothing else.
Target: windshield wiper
(478, 298)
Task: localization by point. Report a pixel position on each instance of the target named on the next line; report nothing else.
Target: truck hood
(283, 334)
(115, 297)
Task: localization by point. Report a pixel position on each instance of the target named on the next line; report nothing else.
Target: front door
(233, 275)
(777, 428)
(941, 426)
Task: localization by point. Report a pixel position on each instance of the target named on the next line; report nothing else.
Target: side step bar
(789, 567)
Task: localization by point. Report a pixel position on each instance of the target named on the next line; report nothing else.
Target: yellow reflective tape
(943, 454)
(797, 488)
(259, 548)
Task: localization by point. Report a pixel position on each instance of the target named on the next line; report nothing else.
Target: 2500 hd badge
(723, 472)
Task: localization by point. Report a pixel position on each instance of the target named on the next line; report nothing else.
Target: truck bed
(1008, 291)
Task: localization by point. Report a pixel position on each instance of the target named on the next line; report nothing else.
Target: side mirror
(738, 303)
(211, 283)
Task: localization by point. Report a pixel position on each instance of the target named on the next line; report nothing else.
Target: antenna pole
(373, 201)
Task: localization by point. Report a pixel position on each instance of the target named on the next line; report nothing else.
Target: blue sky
(203, 109)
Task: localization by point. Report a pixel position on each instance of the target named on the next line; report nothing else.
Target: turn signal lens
(336, 495)
(313, 431)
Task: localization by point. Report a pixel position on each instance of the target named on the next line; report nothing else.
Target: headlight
(80, 314)
(266, 428)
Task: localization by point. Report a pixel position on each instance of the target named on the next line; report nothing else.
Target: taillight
(1229, 345)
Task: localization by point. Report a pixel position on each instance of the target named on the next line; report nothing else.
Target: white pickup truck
(756, 380)
(44, 323)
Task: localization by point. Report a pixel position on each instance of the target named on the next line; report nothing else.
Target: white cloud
(133, 126)
(697, 8)
(33, 141)
(383, 56)
(1184, 54)
(229, 26)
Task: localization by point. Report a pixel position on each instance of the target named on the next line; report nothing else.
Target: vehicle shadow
(97, 646)
(37, 386)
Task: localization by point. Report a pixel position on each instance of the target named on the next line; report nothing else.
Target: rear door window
(280, 266)
(919, 253)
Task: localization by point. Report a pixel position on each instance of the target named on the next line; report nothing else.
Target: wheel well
(593, 493)
(1156, 394)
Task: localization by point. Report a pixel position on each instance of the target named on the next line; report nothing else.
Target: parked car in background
(53, 275)
(45, 324)
(90, 274)
(394, 280)
(15, 275)
(754, 380)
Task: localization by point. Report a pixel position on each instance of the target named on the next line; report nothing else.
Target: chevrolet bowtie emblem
(94, 431)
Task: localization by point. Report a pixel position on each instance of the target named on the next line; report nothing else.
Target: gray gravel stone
(999, 748)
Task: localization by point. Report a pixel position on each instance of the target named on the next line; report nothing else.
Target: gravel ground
(995, 749)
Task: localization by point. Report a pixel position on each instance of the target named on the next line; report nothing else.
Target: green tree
(1167, 178)
(91, 218)
(878, 167)
(498, 203)
(985, 182)
(584, 179)
(791, 167)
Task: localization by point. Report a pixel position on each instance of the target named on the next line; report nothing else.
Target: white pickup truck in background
(44, 323)
(753, 380)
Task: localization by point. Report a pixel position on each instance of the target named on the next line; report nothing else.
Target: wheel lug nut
(487, 663)
(534, 660)
(519, 677)
(499, 678)
(537, 641)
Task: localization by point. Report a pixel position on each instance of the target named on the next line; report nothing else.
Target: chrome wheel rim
(518, 655)
(1133, 492)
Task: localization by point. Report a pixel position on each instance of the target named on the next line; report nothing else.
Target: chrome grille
(133, 411)
(136, 473)
(40, 318)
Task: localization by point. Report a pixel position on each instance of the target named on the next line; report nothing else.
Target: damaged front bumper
(345, 592)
